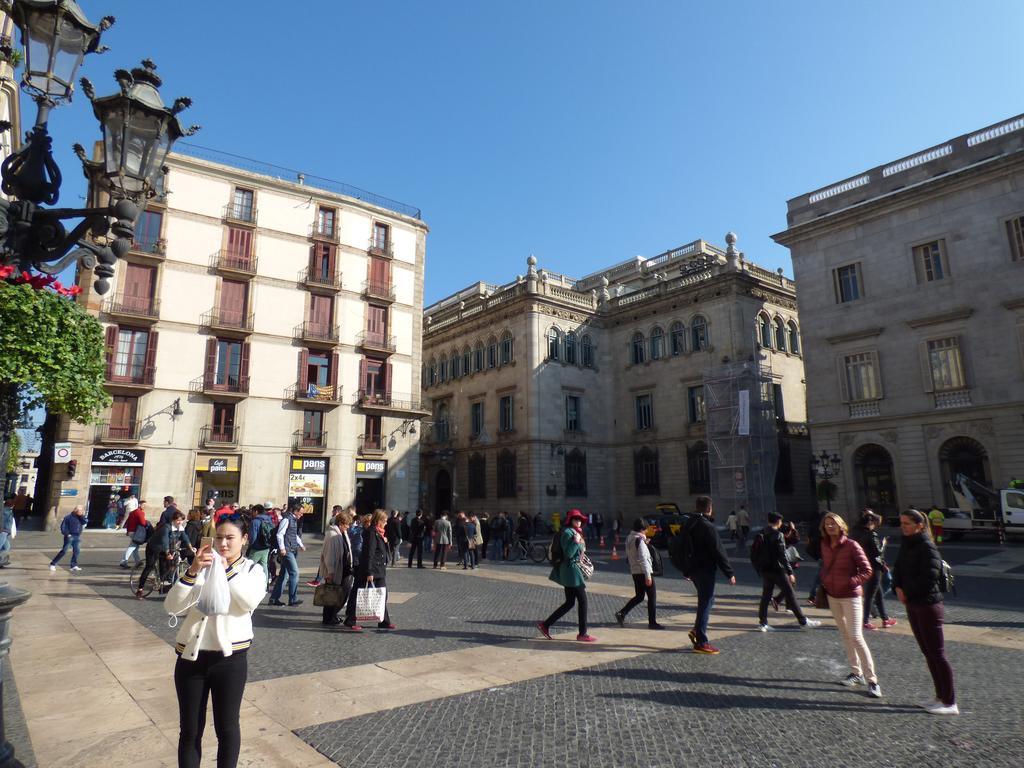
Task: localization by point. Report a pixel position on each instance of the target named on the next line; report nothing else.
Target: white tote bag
(370, 603)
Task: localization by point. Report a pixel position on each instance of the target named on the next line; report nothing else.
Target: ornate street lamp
(826, 467)
(138, 133)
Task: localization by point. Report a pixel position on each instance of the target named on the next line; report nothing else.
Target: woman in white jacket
(212, 650)
(642, 569)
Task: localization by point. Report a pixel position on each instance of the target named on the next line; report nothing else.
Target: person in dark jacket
(709, 558)
(915, 577)
(158, 551)
(416, 529)
(865, 533)
(461, 536)
(775, 570)
(71, 527)
(814, 552)
(394, 534)
(372, 569)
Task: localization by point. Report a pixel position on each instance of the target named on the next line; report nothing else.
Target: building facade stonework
(912, 310)
(262, 343)
(549, 393)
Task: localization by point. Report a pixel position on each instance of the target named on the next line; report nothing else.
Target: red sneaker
(351, 628)
(543, 630)
(889, 623)
(870, 627)
(706, 648)
(586, 639)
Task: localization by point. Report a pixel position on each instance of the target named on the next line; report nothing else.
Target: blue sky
(583, 132)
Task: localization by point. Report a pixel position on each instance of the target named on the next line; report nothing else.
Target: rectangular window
(242, 204)
(228, 367)
(695, 398)
(476, 418)
(374, 381)
(645, 472)
(380, 236)
(147, 230)
(575, 473)
(372, 439)
(1015, 233)
(862, 377)
(848, 283)
(946, 364)
(312, 428)
(223, 427)
(780, 405)
(573, 420)
(644, 412)
(325, 222)
(123, 411)
(130, 356)
(930, 261)
(507, 485)
(318, 369)
(505, 414)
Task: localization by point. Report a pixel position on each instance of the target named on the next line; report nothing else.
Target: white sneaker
(765, 628)
(930, 703)
(76, 568)
(53, 567)
(941, 709)
(852, 680)
(810, 624)
(874, 691)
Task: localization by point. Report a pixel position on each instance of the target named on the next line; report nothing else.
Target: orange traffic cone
(615, 553)
(601, 542)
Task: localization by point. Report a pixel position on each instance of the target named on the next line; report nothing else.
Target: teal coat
(567, 573)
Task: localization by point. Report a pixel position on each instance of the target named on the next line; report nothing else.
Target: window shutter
(150, 357)
(844, 389)
(387, 378)
(303, 377)
(878, 373)
(211, 360)
(363, 384)
(111, 349)
(332, 261)
(314, 260)
(334, 373)
(243, 373)
(926, 368)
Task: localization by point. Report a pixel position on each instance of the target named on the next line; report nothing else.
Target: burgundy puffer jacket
(844, 567)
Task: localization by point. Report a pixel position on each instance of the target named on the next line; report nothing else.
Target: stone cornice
(1013, 304)
(953, 315)
(864, 333)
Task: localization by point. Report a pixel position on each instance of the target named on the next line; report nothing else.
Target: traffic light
(72, 467)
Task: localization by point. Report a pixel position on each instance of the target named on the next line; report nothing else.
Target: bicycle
(173, 572)
(539, 552)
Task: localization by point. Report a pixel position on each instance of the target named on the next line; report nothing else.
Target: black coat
(773, 554)
(373, 560)
(708, 551)
(916, 570)
(416, 527)
(871, 544)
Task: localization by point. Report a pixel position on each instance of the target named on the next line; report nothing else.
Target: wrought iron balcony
(239, 214)
(310, 441)
(231, 321)
(234, 262)
(316, 278)
(155, 248)
(118, 432)
(135, 377)
(218, 436)
(378, 247)
(389, 402)
(318, 231)
(228, 387)
(373, 289)
(145, 308)
(377, 342)
(369, 444)
(954, 398)
(312, 332)
(314, 394)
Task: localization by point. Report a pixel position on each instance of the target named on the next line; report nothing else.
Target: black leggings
(572, 595)
(640, 585)
(157, 560)
(873, 594)
(224, 677)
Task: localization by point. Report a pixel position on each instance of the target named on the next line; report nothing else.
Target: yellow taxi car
(663, 524)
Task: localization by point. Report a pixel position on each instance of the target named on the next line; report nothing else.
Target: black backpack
(759, 551)
(555, 553)
(681, 550)
(657, 567)
(264, 538)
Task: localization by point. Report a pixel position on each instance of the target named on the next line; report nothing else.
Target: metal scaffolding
(743, 448)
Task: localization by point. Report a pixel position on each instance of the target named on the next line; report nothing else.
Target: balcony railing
(234, 262)
(118, 432)
(216, 435)
(207, 384)
(314, 393)
(377, 341)
(378, 247)
(955, 398)
(150, 247)
(310, 441)
(371, 444)
(320, 232)
(316, 278)
(388, 401)
(142, 376)
(322, 333)
(372, 289)
(227, 320)
(245, 214)
(132, 306)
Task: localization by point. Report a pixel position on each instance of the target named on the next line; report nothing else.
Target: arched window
(442, 370)
(554, 336)
(433, 371)
(698, 333)
(506, 348)
(478, 357)
(794, 338)
(467, 366)
(780, 334)
(587, 350)
(657, 343)
(677, 338)
(492, 352)
(638, 348)
(456, 364)
(570, 347)
(764, 331)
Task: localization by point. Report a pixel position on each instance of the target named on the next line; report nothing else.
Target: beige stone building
(912, 309)
(549, 393)
(10, 109)
(263, 343)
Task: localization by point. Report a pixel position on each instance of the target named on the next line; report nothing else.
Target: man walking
(261, 538)
(136, 528)
(289, 544)
(71, 526)
(393, 530)
(708, 557)
(416, 539)
(776, 571)
(443, 529)
(743, 523)
(169, 510)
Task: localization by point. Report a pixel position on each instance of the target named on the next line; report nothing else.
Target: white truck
(980, 508)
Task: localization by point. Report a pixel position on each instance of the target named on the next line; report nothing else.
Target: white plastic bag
(370, 603)
(14, 528)
(214, 594)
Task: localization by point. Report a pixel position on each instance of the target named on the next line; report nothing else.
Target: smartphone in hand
(206, 541)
